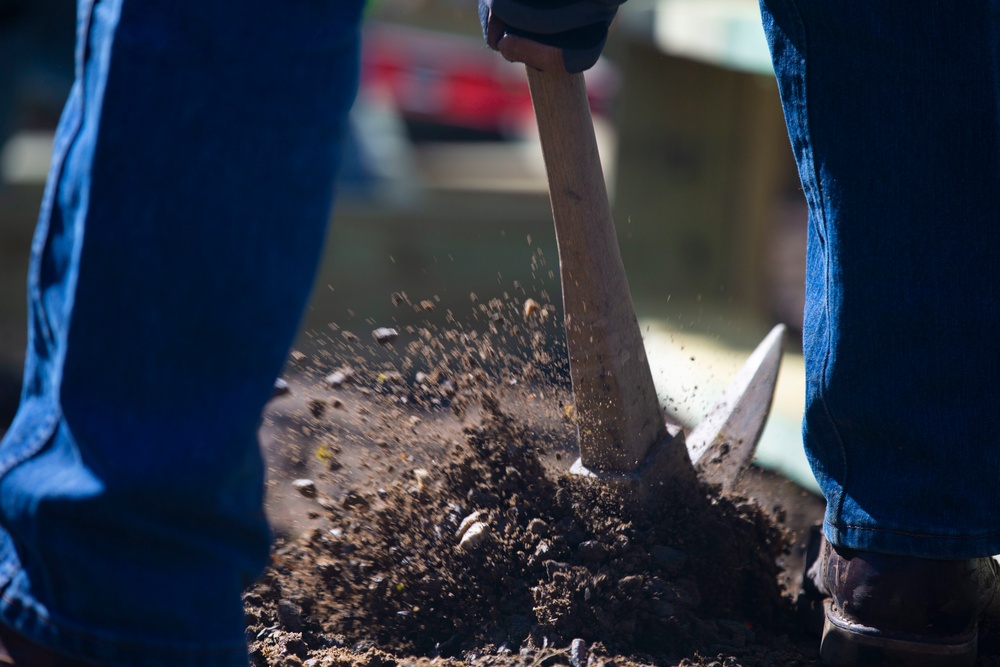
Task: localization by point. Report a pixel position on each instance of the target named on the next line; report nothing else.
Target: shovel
(623, 436)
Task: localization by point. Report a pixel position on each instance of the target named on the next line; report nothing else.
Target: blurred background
(443, 194)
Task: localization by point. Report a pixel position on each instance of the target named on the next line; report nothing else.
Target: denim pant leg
(184, 217)
(892, 110)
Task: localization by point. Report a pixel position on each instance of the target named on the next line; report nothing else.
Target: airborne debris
(385, 335)
(339, 378)
(354, 499)
(306, 487)
(421, 476)
(317, 408)
(281, 388)
(467, 522)
(393, 560)
(530, 308)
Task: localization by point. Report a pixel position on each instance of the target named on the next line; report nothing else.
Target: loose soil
(425, 516)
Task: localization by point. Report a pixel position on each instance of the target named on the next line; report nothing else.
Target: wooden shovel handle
(618, 413)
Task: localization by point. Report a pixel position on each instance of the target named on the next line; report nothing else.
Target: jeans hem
(914, 544)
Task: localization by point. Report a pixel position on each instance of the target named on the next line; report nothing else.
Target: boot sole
(849, 644)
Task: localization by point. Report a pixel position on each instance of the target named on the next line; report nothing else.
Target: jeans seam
(48, 413)
(42, 432)
(843, 526)
(817, 199)
(64, 144)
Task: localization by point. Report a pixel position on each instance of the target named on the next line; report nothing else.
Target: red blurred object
(457, 81)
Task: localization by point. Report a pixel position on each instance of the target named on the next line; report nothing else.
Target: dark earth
(424, 516)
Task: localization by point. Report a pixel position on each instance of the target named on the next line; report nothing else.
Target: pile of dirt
(441, 527)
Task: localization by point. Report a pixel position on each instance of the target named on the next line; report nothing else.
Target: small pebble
(474, 536)
(317, 408)
(390, 378)
(281, 388)
(421, 475)
(306, 487)
(354, 499)
(552, 567)
(467, 523)
(289, 616)
(578, 653)
(530, 308)
(538, 527)
(339, 378)
(385, 335)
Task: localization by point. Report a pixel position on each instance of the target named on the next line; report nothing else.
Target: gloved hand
(548, 34)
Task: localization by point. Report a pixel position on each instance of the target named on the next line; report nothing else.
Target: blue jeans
(893, 109)
(183, 220)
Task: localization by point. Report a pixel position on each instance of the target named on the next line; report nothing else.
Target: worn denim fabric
(183, 220)
(892, 110)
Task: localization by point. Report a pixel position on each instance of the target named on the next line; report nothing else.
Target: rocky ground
(418, 483)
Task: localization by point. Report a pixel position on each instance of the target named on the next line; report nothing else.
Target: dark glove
(576, 30)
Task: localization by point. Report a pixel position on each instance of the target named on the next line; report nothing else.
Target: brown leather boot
(894, 610)
(20, 652)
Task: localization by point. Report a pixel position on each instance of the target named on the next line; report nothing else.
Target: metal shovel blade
(624, 440)
(722, 445)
